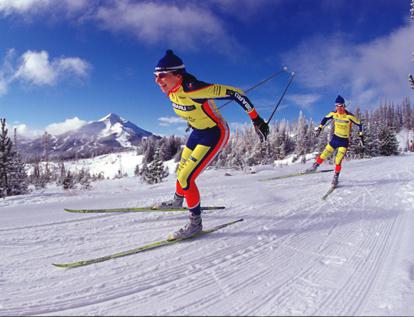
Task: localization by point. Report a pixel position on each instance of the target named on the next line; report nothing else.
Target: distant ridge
(111, 133)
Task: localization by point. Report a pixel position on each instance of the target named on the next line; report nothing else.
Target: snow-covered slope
(292, 255)
(109, 165)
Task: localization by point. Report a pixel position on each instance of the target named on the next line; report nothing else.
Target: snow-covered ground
(109, 165)
(293, 254)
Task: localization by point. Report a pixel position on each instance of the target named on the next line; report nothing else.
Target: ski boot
(192, 228)
(176, 202)
(335, 180)
(312, 168)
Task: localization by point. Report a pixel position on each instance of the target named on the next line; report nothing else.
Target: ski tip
(59, 265)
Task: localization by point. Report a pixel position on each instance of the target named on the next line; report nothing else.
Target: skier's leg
(197, 161)
(327, 152)
(319, 160)
(339, 158)
(338, 163)
(178, 199)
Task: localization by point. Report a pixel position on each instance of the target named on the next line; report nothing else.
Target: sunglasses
(162, 75)
(339, 105)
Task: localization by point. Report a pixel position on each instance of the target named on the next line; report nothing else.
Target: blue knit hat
(340, 100)
(170, 63)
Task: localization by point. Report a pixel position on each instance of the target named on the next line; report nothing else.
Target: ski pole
(292, 75)
(284, 69)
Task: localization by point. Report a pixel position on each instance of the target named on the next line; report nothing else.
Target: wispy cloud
(366, 72)
(168, 121)
(37, 69)
(166, 22)
(3, 85)
(151, 22)
(62, 127)
(8, 7)
(304, 101)
(24, 130)
(33, 7)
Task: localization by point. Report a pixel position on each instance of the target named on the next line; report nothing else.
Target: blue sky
(63, 63)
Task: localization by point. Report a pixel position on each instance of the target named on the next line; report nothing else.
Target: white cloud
(54, 128)
(23, 130)
(365, 72)
(166, 22)
(21, 6)
(37, 69)
(6, 71)
(25, 7)
(178, 23)
(62, 127)
(167, 121)
(304, 100)
(3, 85)
(74, 65)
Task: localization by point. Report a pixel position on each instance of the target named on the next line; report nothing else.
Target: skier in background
(342, 122)
(193, 101)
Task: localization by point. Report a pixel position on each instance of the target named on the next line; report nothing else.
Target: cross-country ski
(139, 209)
(294, 175)
(143, 248)
(330, 191)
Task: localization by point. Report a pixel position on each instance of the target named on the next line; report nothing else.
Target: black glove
(317, 131)
(261, 127)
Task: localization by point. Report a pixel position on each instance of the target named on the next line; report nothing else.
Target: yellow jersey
(342, 123)
(193, 101)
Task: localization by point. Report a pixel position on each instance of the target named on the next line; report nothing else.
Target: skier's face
(340, 108)
(167, 81)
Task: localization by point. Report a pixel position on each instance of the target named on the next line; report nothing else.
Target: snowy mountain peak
(109, 134)
(113, 118)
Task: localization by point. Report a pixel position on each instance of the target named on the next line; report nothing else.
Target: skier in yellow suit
(193, 101)
(342, 122)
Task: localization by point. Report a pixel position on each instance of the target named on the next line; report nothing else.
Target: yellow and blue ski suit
(342, 130)
(193, 101)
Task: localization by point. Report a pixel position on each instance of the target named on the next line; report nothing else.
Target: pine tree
(136, 170)
(61, 173)
(388, 144)
(13, 177)
(46, 173)
(155, 172)
(38, 178)
(18, 181)
(69, 181)
(5, 159)
(84, 179)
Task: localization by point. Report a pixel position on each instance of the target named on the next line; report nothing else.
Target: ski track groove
(173, 274)
(214, 256)
(357, 286)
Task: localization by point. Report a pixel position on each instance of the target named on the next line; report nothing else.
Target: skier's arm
(325, 119)
(356, 122)
(216, 91)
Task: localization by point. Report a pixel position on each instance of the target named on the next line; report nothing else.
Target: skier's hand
(318, 131)
(361, 139)
(261, 127)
